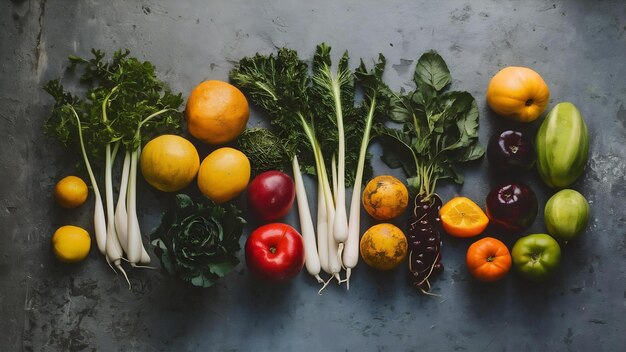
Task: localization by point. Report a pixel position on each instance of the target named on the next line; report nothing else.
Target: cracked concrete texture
(578, 46)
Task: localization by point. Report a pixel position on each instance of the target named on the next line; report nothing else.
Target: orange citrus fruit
(224, 174)
(169, 162)
(216, 112)
(461, 217)
(71, 244)
(383, 246)
(71, 192)
(385, 197)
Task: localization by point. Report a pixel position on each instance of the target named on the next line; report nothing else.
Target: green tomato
(536, 257)
(566, 214)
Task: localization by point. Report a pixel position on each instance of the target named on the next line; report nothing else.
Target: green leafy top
(333, 94)
(198, 241)
(119, 96)
(265, 150)
(278, 84)
(376, 94)
(300, 106)
(439, 127)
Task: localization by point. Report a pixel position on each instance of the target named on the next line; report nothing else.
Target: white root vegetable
(121, 214)
(322, 228)
(99, 221)
(334, 259)
(351, 249)
(113, 248)
(350, 253)
(340, 220)
(333, 169)
(134, 243)
(312, 260)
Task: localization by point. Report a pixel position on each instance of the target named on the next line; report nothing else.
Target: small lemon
(71, 244)
(71, 192)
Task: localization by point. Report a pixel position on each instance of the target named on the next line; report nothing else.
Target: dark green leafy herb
(264, 149)
(120, 94)
(198, 241)
(439, 128)
(278, 84)
(300, 107)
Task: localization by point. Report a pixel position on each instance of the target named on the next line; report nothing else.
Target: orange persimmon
(488, 259)
(461, 217)
(518, 93)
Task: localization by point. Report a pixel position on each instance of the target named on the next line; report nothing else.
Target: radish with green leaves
(121, 96)
(439, 132)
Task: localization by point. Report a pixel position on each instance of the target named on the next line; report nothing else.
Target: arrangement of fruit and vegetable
(319, 128)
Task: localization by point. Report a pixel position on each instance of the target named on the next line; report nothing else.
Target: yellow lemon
(71, 244)
(216, 112)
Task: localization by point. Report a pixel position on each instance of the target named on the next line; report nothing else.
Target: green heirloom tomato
(536, 257)
(566, 214)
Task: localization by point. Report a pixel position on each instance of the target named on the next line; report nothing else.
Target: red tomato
(271, 195)
(275, 252)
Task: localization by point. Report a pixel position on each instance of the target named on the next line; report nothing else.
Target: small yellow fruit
(71, 192)
(71, 244)
(224, 174)
(385, 197)
(383, 246)
(169, 162)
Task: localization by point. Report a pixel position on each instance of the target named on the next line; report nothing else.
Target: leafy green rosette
(198, 241)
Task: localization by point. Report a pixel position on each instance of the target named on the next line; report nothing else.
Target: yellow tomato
(385, 197)
(71, 244)
(383, 246)
(518, 93)
(224, 174)
(169, 163)
(71, 192)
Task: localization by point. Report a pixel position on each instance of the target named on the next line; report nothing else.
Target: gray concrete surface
(579, 47)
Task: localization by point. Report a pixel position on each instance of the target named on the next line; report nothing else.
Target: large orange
(169, 162)
(224, 174)
(216, 112)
